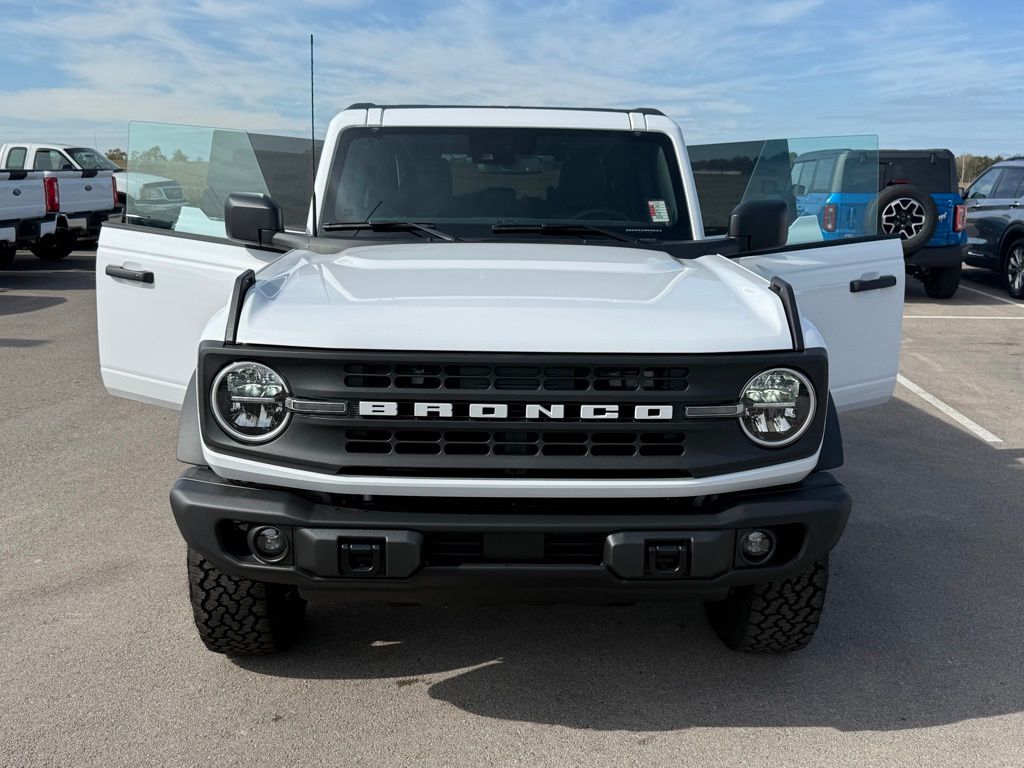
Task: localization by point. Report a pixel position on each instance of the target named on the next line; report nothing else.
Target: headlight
(150, 193)
(248, 402)
(778, 406)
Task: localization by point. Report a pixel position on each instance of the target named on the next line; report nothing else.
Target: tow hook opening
(667, 559)
(361, 557)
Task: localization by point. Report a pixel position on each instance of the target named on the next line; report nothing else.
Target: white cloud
(726, 68)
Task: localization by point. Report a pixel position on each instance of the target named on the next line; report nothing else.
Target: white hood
(512, 297)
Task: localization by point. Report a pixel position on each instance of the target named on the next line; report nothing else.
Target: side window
(823, 175)
(49, 160)
(1009, 183)
(789, 170)
(982, 188)
(178, 176)
(16, 159)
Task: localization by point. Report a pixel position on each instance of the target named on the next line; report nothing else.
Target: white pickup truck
(24, 218)
(146, 196)
(505, 362)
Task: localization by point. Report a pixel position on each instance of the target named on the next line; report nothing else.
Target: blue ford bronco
(917, 199)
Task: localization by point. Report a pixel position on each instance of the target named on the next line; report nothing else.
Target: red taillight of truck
(52, 192)
(828, 218)
(959, 218)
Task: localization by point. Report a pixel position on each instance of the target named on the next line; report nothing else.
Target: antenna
(312, 136)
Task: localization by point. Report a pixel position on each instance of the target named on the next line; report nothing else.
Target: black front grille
(545, 418)
(481, 442)
(480, 377)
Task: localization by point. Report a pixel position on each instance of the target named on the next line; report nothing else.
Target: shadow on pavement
(27, 273)
(19, 305)
(20, 343)
(922, 626)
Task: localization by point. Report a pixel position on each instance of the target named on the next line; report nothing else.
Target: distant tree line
(969, 167)
(151, 155)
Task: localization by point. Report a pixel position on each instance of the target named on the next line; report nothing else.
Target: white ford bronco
(505, 354)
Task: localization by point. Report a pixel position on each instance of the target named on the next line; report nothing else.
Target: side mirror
(760, 225)
(252, 218)
(963, 192)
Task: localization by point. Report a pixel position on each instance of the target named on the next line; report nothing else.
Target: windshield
(90, 159)
(466, 180)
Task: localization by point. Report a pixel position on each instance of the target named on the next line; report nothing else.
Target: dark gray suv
(995, 223)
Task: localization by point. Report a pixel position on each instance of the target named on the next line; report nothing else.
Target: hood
(512, 297)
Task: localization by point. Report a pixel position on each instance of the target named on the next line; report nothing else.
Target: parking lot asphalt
(919, 660)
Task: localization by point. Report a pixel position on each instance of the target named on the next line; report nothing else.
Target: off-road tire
(240, 617)
(877, 210)
(772, 617)
(7, 251)
(1013, 261)
(54, 247)
(942, 282)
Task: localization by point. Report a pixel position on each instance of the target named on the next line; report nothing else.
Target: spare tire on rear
(905, 210)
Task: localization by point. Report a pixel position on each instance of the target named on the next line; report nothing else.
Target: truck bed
(84, 192)
(21, 196)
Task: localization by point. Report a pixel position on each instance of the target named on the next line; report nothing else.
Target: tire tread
(238, 616)
(772, 617)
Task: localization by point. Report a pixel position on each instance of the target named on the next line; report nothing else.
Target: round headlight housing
(778, 406)
(248, 402)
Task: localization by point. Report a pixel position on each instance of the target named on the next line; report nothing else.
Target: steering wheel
(590, 213)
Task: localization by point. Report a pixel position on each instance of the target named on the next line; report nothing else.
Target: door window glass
(823, 175)
(1008, 183)
(827, 183)
(982, 188)
(50, 160)
(16, 159)
(178, 176)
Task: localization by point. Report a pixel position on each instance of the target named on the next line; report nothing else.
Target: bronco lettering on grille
(426, 410)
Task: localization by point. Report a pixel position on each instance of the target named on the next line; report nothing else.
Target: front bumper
(943, 256)
(492, 550)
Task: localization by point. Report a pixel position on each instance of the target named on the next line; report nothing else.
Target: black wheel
(1013, 269)
(240, 617)
(942, 282)
(905, 210)
(7, 251)
(54, 247)
(773, 617)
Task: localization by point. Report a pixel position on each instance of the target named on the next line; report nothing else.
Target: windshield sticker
(659, 211)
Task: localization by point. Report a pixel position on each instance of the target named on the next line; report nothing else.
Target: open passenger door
(847, 280)
(163, 274)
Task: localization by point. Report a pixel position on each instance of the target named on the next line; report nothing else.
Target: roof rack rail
(371, 105)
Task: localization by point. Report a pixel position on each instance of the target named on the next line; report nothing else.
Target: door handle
(138, 275)
(1016, 204)
(885, 281)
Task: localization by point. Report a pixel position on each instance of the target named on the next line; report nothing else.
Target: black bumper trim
(818, 508)
(944, 256)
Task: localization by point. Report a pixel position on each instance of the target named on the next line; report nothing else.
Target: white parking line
(991, 295)
(979, 431)
(962, 317)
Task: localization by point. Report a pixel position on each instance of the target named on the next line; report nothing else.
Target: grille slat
(434, 442)
(474, 377)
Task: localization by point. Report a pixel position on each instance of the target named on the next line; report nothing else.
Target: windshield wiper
(388, 226)
(550, 228)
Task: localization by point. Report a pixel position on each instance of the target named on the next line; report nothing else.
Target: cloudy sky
(932, 73)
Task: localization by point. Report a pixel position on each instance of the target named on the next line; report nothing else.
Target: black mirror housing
(760, 225)
(252, 218)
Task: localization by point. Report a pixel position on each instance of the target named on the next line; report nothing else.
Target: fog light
(269, 543)
(757, 545)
